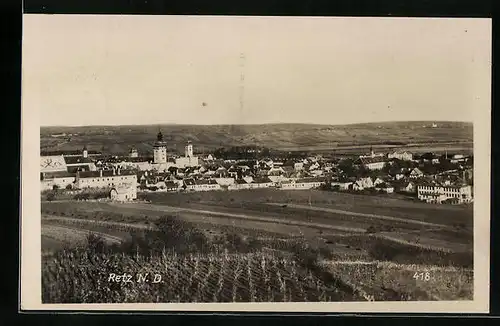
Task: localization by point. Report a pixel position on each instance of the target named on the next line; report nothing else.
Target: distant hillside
(119, 139)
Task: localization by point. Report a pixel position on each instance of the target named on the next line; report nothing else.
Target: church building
(189, 159)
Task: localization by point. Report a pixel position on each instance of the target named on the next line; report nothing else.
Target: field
(281, 246)
(414, 136)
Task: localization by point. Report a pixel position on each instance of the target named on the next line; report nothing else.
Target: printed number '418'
(422, 276)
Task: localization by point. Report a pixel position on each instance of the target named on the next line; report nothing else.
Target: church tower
(85, 152)
(188, 149)
(160, 149)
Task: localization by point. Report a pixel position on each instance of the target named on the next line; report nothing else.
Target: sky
(123, 70)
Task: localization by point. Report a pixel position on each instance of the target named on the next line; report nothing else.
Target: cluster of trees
(242, 152)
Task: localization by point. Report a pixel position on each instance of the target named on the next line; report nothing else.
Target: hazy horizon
(89, 70)
(255, 124)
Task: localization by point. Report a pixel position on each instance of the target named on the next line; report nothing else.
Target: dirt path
(97, 222)
(338, 211)
(70, 234)
(171, 209)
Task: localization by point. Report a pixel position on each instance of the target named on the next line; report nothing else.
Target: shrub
(51, 196)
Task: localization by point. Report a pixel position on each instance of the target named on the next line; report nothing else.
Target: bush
(51, 196)
(95, 243)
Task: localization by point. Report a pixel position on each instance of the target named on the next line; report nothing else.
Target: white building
(133, 153)
(239, 184)
(225, 182)
(363, 183)
(298, 184)
(201, 185)
(298, 166)
(123, 193)
(104, 179)
(59, 179)
(438, 193)
(404, 156)
(53, 163)
(385, 188)
(189, 159)
(342, 184)
(373, 161)
(416, 173)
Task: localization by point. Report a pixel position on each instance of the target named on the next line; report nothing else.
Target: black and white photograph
(256, 163)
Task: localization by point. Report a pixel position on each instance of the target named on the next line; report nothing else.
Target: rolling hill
(118, 139)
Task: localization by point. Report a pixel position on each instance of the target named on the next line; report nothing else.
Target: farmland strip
(339, 211)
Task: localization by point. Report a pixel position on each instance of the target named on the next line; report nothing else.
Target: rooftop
(77, 160)
(105, 173)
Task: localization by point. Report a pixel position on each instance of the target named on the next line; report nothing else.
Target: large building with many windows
(105, 179)
(442, 192)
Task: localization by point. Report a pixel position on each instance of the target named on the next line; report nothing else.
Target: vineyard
(256, 277)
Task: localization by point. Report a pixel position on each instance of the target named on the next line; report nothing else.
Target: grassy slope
(119, 138)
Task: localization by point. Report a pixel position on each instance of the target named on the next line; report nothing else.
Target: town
(428, 177)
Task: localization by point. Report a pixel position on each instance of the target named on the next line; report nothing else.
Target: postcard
(266, 164)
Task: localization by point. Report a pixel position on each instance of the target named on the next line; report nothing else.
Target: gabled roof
(372, 160)
(171, 184)
(262, 180)
(77, 160)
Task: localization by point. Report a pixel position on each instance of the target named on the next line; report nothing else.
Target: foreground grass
(391, 281)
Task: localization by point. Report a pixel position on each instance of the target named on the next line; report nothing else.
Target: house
(385, 188)
(206, 185)
(105, 178)
(408, 187)
(54, 163)
(239, 184)
(123, 193)
(305, 183)
(416, 173)
(189, 184)
(314, 166)
(378, 181)
(275, 171)
(403, 156)
(171, 186)
(373, 162)
(80, 162)
(363, 183)
(248, 179)
(56, 179)
(436, 192)
(342, 184)
(224, 182)
(263, 182)
(298, 166)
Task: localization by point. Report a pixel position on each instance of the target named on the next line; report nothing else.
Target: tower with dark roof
(160, 149)
(85, 152)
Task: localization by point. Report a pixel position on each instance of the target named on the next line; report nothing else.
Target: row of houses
(191, 184)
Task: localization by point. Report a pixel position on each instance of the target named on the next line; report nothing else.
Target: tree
(347, 167)
(51, 196)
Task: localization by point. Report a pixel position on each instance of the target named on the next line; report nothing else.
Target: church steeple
(159, 137)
